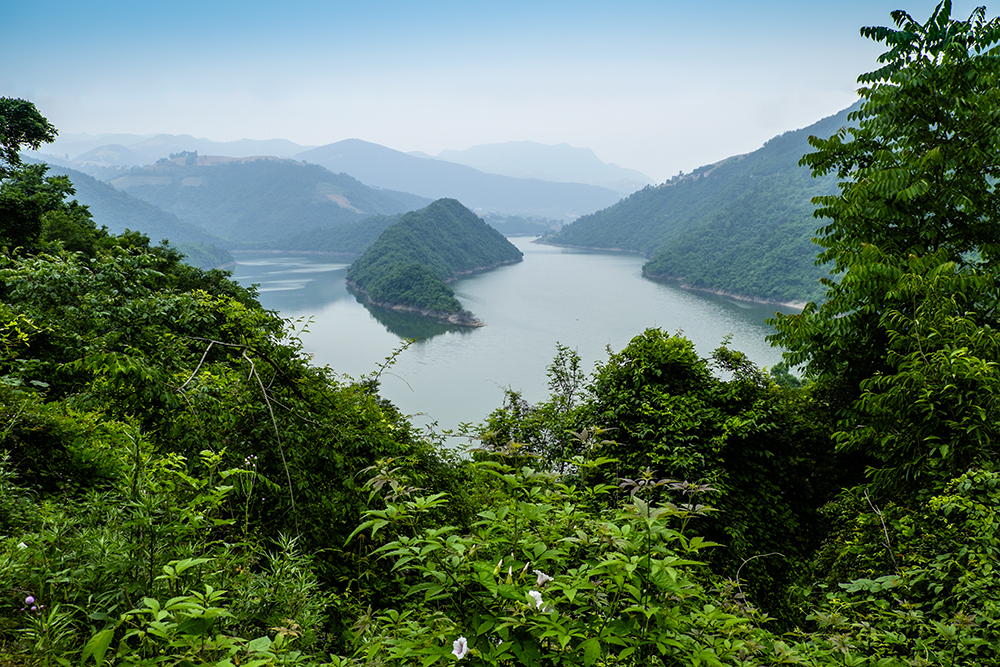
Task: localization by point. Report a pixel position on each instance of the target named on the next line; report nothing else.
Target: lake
(586, 300)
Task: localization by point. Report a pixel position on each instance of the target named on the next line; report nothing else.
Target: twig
(198, 367)
(885, 530)
(747, 560)
(277, 435)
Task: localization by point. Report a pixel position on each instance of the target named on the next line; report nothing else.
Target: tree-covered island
(409, 265)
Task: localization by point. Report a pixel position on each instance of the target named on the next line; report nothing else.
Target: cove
(584, 299)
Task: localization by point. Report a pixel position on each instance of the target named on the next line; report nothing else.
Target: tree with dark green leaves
(917, 177)
(914, 235)
(21, 126)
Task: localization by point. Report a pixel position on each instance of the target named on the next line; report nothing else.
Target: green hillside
(259, 201)
(119, 211)
(410, 261)
(350, 238)
(742, 226)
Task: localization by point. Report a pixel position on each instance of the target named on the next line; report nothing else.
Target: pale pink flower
(542, 577)
(537, 597)
(460, 647)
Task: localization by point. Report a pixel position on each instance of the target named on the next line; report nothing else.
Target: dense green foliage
(21, 126)
(153, 419)
(411, 260)
(915, 233)
(179, 486)
(756, 445)
(254, 202)
(741, 226)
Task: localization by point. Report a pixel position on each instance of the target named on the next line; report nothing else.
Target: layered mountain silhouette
(252, 202)
(561, 163)
(436, 179)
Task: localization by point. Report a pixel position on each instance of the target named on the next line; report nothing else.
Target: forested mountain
(561, 163)
(386, 168)
(408, 264)
(350, 238)
(517, 225)
(249, 202)
(119, 211)
(742, 226)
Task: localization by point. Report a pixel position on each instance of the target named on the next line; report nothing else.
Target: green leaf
(591, 651)
(98, 645)
(259, 644)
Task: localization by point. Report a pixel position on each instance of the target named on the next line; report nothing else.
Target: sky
(658, 86)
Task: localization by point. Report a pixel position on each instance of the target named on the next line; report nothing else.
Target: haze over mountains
(88, 152)
(557, 194)
(437, 179)
(561, 163)
(252, 202)
(742, 226)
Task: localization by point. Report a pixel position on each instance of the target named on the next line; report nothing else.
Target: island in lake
(409, 265)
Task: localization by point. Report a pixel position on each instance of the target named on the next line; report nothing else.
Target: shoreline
(480, 269)
(251, 251)
(797, 305)
(462, 319)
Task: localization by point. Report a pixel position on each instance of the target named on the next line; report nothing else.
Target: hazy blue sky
(656, 86)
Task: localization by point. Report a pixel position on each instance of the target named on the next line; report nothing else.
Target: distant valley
(482, 192)
(252, 203)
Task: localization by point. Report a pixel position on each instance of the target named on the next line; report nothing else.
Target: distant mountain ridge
(742, 226)
(132, 150)
(560, 163)
(384, 167)
(549, 192)
(408, 265)
(251, 202)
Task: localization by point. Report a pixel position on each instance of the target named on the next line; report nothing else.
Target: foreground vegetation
(179, 486)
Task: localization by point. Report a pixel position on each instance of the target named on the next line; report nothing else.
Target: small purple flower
(30, 600)
(460, 647)
(33, 608)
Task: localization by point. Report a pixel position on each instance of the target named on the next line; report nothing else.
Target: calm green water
(586, 300)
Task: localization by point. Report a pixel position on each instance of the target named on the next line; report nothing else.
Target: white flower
(542, 577)
(460, 647)
(537, 597)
